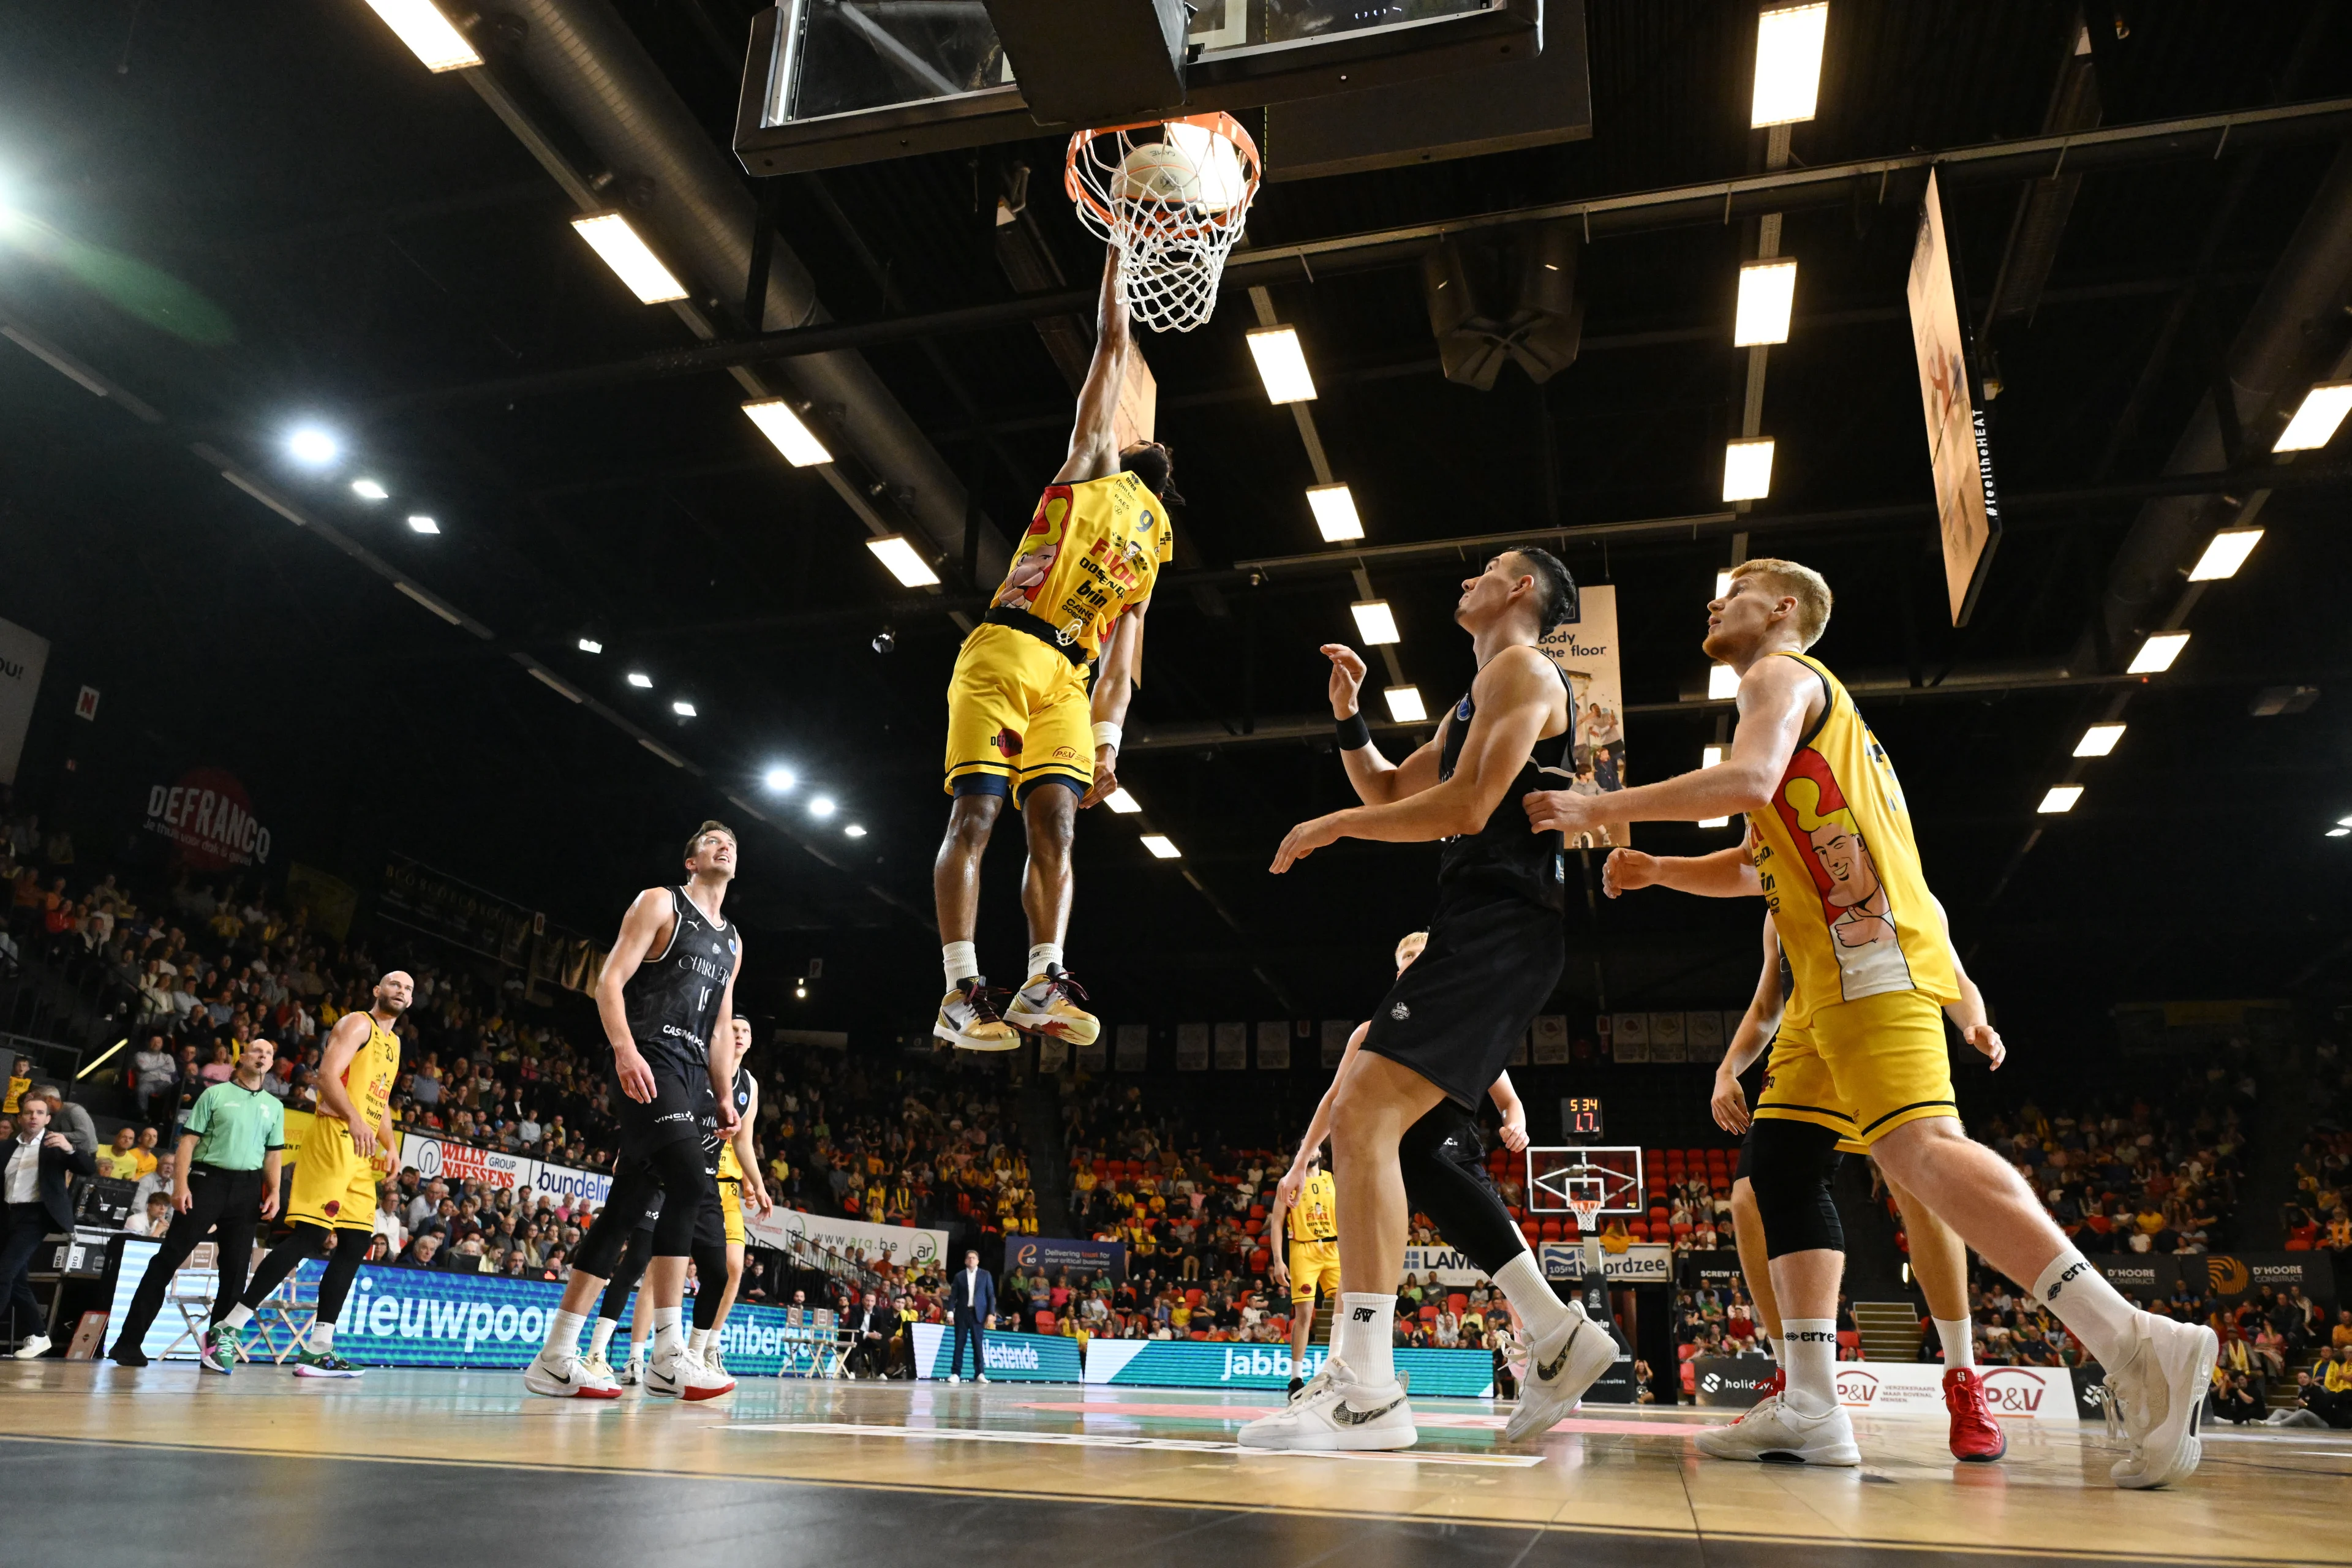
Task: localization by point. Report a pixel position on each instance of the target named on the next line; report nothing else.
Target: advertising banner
(1084, 1259)
(22, 657)
(901, 1245)
(1666, 1036)
(1191, 1047)
(209, 821)
(1917, 1388)
(1643, 1263)
(2231, 1277)
(415, 895)
(1451, 1267)
(1200, 1364)
(1005, 1357)
(1233, 1047)
(435, 1158)
(1273, 1046)
(1703, 1268)
(1738, 1381)
(1551, 1039)
(1967, 512)
(1585, 648)
(1629, 1037)
(1702, 1036)
(568, 1185)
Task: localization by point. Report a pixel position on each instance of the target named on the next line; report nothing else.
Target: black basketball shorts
(1453, 1017)
(674, 1112)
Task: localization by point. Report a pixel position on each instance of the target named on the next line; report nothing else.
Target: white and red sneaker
(685, 1375)
(1772, 1390)
(568, 1377)
(1977, 1437)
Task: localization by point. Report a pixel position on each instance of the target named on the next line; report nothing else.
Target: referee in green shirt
(225, 1180)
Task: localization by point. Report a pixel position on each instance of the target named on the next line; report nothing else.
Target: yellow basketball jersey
(373, 1067)
(1315, 1215)
(730, 1169)
(1092, 550)
(1841, 872)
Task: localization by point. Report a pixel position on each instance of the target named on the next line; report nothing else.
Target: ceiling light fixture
(1162, 847)
(1711, 757)
(590, 644)
(854, 831)
(1334, 513)
(641, 681)
(2157, 654)
(2339, 833)
(1722, 683)
(1747, 470)
(1375, 623)
(779, 780)
(631, 260)
(420, 25)
(1768, 290)
(2098, 739)
(821, 806)
(1124, 804)
(2224, 553)
(312, 447)
(898, 553)
(420, 523)
(1282, 365)
(2059, 800)
(368, 489)
(781, 426)
(1405, 705)
(1723, 584)
(2316, 418)
(1787, 64)
(683, 710)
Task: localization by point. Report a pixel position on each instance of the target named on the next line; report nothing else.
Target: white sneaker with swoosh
(1560, 1367)
(568, 1378)
(1335, 1413)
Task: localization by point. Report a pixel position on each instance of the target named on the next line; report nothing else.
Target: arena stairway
(1890, 1329)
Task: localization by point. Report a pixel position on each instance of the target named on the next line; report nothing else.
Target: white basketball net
(1173, 197)
(1588, 1214)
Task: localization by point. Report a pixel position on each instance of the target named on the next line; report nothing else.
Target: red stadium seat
(1429, 1314)
(1254, 1225)
(1458, 1300)
(1638, 1229)
(1258, 1211)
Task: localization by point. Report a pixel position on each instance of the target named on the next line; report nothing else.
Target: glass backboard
(1557, 1176)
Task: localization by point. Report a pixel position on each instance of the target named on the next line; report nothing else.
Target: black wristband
(1354, 733)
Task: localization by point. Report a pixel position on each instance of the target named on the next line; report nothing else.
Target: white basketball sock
(697, 1339)
(562, 1334)
(2081, 1297)
(1531, 1295)
(1958, 1335)
(962, 962)
(601, 1335)
(322, 1338)
(238, 1316)
(1366, 1333)
(1809, 1360)
(1044, 954)
(667, 1340)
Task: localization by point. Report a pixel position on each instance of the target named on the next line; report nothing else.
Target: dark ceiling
(252, 215)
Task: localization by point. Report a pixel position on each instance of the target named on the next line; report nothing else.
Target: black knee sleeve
(307, 1242)
(683, 1182)
(1443, 1160)
(635, 1255)
(1795, 1164)
(711, 1283)
(632, 1193)
(342, 1268)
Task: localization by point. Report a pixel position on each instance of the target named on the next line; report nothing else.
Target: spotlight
(612, 237)
(854, 831)
(2061, 798)
(1162, 847)
(427, 33)
(1334, 507)
(1747, 470)
(1787, 64)
(1282, 365)
(313, 448)
(2157, 654)
(590, 644)
(821, 806)
(368, 489)
(641, 681)
(1122, 802)
(683, 710)
(780, 780)
(800, 989)
(1722, 683)
(903, 560)
(2098, 739)
(886, 640)
(1405, 706)
(420, 523)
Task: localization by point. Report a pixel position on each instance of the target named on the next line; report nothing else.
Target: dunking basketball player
(1020, 721)
(1834, 858)
(666, 991)
(1442, 1160)
(332, 1203)
(1449, 1023)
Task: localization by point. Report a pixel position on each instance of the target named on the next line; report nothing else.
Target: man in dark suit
(34, 1166)
(971, 1302)
(873, 1324)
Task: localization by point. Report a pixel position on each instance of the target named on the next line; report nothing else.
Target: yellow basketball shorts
(730, 1208)
(1862, 1069)
(1313, 1269)
(333, 1188)
(1018, 715)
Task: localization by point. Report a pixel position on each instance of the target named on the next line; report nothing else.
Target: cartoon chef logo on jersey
(1041, 546)
(1854, 902)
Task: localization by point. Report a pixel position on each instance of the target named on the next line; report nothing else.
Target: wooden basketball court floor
(412, 1469)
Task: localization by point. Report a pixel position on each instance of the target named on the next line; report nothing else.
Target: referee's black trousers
(228, 1202)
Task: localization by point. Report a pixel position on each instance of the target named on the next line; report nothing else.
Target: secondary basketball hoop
(1173, 195)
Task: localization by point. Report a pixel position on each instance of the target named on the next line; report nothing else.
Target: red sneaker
(1777, 1386)
(1976, 1437)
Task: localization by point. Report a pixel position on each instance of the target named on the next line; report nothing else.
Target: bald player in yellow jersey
(331, 1204)
(1835, 860)
(1311, 1220)
(1023, 721)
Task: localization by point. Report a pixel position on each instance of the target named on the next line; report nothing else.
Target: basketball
(1192, 168)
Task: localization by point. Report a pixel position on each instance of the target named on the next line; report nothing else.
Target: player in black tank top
(672, 998)
(1503, 855)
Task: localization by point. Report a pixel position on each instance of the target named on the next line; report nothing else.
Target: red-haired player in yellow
(1023, 718)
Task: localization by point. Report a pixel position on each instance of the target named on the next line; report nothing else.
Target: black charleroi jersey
(1503, 855)
(672, 998)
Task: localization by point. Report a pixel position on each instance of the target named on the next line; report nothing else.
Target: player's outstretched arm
(1777, 696)
(649, 911)
(1119, 672)
(1513, 696)
(1725, 874)
(1093, 449)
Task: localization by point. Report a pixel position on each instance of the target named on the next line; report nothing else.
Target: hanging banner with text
(902, 1246)
(1585, 648)
(1967, 511)
(22, 657)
